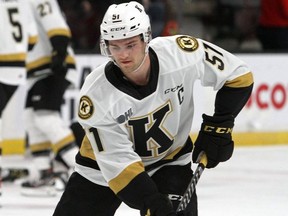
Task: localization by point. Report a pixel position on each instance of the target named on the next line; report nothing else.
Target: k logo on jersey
(86, 108)
(187, 43)
(150, 136)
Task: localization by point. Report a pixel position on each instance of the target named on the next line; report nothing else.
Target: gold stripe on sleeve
(64, 32)
(126, 176)
(13, 57)
(33, 39)
(70, 59)
(241, 81)
(38, 63)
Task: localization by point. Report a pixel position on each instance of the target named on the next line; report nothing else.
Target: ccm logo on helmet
(117, 29)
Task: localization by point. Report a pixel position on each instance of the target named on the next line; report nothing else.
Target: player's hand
(158, 205)
(58, 64)
(215, 139)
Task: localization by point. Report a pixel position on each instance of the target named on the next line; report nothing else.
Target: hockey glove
(157, 205)
(58, 64)
(215, 139)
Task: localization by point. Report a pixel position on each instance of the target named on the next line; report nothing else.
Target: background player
(51, 70)
(18, 34)
(137, 112)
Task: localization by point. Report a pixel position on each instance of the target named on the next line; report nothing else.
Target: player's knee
(45, 119)
(29, 119)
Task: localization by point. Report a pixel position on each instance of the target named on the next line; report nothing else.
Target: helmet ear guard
(123, 21)
(104, 47)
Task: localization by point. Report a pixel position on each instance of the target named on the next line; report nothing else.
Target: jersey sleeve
(218, 66)
(52, 20)
(229, 75)
(114, 154)
(48, 13)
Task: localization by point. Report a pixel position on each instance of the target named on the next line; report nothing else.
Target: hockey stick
(202, 160)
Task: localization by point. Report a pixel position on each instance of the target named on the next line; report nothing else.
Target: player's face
(128, 53)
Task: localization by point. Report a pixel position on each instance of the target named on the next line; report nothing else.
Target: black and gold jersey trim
(13, 60)
(126, 176)
(63, 143)
(44, 63)
(32, 40)
(39, 147)
(86, 156)
(241, 81)
(57, 32)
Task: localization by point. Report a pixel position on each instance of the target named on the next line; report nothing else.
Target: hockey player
(137, 112)
(18, 34)
(51, 70)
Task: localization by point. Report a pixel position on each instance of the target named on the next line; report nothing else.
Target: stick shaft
(192, 185)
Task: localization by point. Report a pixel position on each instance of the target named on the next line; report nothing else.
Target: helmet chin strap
(144, 58)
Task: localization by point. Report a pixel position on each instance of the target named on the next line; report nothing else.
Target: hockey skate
(61, 175)
(11, 175)
(42, 187)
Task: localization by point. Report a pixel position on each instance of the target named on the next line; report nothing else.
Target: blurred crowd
(84, 18)
(236, 25)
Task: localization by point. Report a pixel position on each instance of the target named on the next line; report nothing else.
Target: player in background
(51, 70)
(18, 34)
(137, 112)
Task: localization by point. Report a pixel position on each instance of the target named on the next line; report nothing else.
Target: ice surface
(254, 182)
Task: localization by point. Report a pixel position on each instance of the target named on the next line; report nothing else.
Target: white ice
(254, 182)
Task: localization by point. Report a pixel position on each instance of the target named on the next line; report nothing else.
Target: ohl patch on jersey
(86, 108)
(187, 43)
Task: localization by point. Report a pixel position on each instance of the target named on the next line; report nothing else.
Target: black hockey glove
(215, 139)
(157, 205)
(58, 64)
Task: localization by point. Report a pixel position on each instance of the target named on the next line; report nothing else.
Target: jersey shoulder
(183, 43)
(50, 17)
(178, 51)
(94, 80)
(96, 97)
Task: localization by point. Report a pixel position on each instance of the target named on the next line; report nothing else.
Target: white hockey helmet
(124, 21)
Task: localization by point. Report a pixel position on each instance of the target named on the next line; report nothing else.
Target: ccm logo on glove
(215, 139)
(220, 130)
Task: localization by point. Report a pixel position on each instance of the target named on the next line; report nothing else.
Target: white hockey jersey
(50, 22)
(129, 132)
(17, 30)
